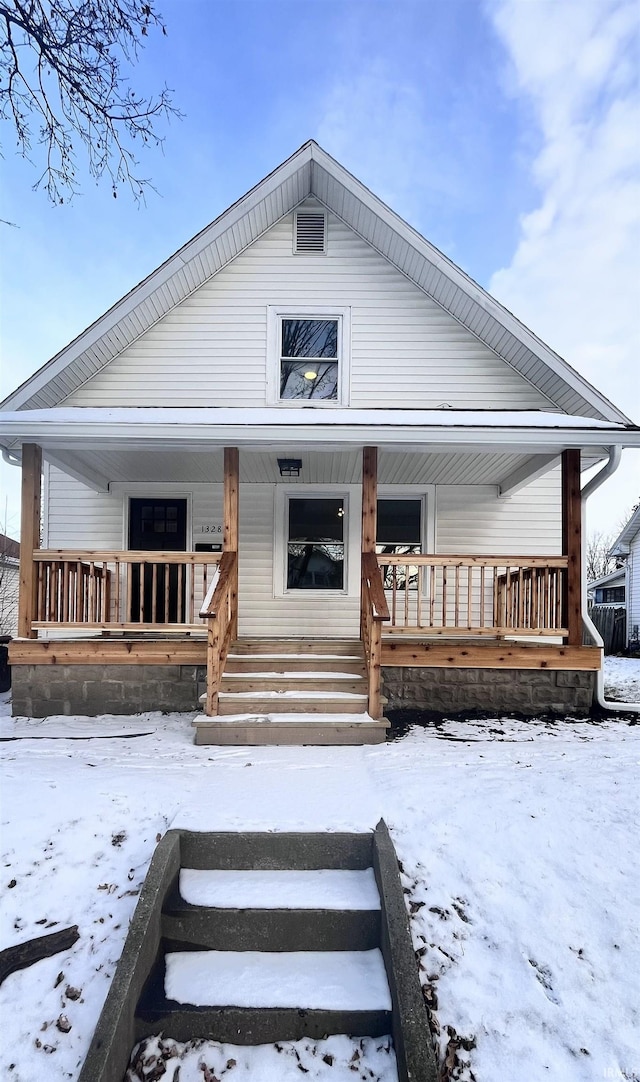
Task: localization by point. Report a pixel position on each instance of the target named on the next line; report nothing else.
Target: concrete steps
(318, 944)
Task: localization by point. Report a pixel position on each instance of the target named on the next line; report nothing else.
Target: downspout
(610, 467)
(10, 457)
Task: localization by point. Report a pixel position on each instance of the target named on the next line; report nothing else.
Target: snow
(518, 843)
(327, 888)
(622, 679)
(291, 717)
(334, 1059)
(295, 675)
(312, 980)
(13, 422)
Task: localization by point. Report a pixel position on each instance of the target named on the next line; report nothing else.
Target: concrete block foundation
(514, 691)
(42, 690)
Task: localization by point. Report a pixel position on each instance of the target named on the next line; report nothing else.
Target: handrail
(126, 556)
(371, 573)
(220, 612)
(473, 561)
(373, 611)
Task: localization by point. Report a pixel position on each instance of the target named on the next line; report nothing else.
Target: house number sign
(211, 528)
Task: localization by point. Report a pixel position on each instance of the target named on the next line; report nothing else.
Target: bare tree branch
(62, 85)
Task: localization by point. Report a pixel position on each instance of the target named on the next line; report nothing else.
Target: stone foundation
(514, 691)
(42, 690)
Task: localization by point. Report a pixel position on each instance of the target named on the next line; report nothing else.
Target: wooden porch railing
(373, 611)
(475, 595)
(159, 591)
(219, 609)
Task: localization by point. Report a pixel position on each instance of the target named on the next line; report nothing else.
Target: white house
(311, 423)
(627, 547)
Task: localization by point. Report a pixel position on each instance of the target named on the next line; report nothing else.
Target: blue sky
(505, 131)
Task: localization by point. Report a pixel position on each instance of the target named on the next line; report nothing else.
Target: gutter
(10, 457)
(610, 467)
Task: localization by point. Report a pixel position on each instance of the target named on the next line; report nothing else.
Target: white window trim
(351, 496)
(276, 312)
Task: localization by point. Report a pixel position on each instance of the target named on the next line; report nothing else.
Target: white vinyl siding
(633, 587)
(469, 519)
(405, 350)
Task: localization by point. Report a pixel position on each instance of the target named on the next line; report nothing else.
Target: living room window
(310, 352)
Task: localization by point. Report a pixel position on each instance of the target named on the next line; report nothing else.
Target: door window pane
(315, 544)
(399, 533)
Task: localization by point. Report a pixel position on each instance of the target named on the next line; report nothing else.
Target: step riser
(251, 1026)
(265, 735)
(297, 646)
(293, 663)
(356, 686)
(232, 704)
(270, 930)
(275, 851)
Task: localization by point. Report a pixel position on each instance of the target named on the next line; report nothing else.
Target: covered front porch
(401, 607)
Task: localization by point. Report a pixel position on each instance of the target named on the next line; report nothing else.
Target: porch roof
(507, 449)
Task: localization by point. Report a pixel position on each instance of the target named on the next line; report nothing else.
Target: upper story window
(309, 359)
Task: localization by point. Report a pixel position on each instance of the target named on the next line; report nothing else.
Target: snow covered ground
(518, 844)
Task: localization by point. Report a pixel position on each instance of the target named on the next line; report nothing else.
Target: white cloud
(575, 274)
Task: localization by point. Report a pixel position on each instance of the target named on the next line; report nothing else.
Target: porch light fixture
(311, 375)
(289, 467)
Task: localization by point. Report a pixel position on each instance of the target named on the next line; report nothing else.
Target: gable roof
(621, 544)
(9, 549)
(311, 172)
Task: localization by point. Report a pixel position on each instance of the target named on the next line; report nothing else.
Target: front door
(157, 525)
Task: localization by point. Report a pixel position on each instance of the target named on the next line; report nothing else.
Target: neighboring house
(9, 582)
(311, 423)
(627, 548)
(608, 590)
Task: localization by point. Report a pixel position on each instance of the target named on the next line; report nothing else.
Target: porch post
(29, 537)
(231, 518)
(369, 498)
(572, 543)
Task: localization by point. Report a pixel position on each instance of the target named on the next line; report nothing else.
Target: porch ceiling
(102, 468)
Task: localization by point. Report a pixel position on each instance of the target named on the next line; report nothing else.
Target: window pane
(398, 523)
(309, 338)
(311, 379)
(315, 549)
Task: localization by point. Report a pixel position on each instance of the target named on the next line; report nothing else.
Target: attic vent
(310, 231)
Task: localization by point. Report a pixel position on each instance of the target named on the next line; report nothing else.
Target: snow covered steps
(266, 680)
(256, 938)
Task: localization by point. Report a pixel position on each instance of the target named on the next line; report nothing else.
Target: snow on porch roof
(311, 172)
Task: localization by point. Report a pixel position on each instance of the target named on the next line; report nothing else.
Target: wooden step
(292, 681)
(266, 730)
(284, 663)
(287, 702)
(336, 647)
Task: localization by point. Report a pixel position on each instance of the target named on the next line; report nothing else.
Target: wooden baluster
(482, 592)
(143, 577)
(154, 591)
(65, 592)
(166, 593)
(117, 617)
(419, 600)
(192, 594)
(469, 597)
(406, 595)
(179, 603)
(444, 595)
(394, 593)
(432, 593)
(456, 596)
(520, 598)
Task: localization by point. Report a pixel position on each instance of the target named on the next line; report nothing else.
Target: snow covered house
(306, 465)
(627, 548)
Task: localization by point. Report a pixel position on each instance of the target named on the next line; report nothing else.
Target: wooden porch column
(29, 537)
(369, 498)
(231, 519)
(572, 543)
